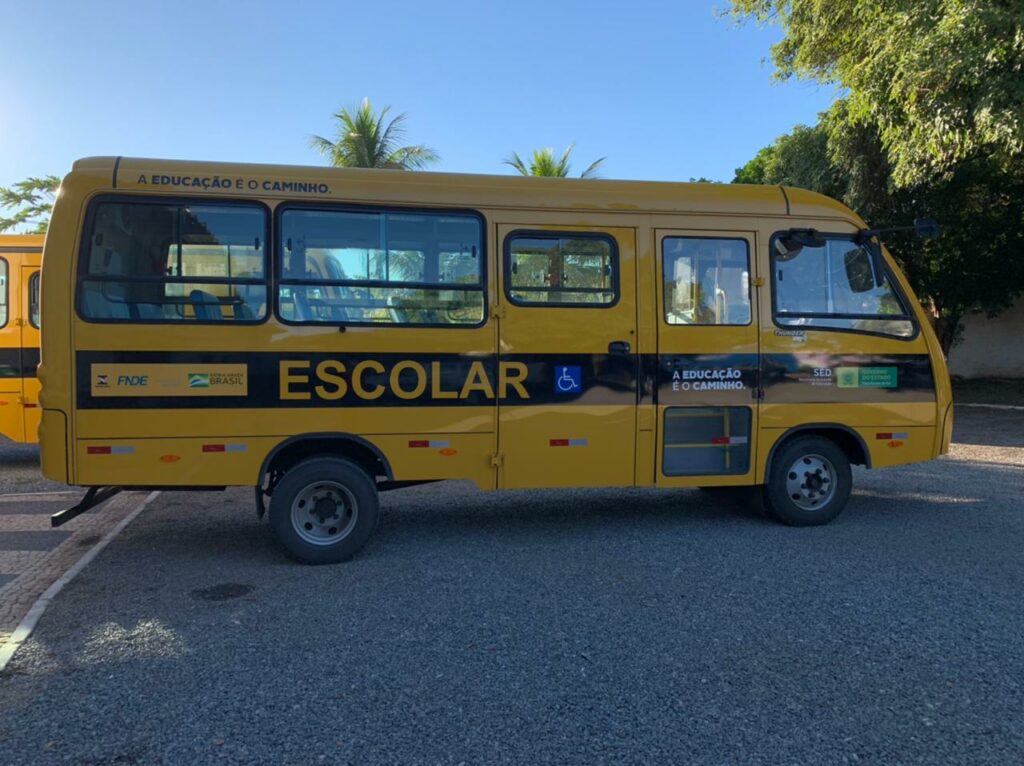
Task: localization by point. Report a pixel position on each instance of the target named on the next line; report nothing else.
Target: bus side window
(414, 268)
(706, 280)
(150, 261)
(3, 292)
(555, 269)
(33, 299)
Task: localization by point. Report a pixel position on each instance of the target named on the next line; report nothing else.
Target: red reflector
(418, 443)
(559, 443)
(720, 440)
(885, 436)
(213, 448)
(97, 450)
(29, 406)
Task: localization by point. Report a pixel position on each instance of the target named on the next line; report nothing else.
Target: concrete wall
(991, 348)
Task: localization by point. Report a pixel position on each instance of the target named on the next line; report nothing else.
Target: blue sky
(667, 90)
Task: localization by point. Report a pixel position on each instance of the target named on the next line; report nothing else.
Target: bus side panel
(907, 444)
(31, 413)
(53, 431)
(12, 423)
(236, 461)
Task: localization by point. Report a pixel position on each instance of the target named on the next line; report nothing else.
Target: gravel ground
(589, 626)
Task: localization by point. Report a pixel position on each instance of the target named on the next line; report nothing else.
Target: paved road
(532, 627)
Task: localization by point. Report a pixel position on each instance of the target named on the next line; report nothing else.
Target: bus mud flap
(93, 497)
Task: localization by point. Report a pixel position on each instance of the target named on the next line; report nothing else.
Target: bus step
(93, 497)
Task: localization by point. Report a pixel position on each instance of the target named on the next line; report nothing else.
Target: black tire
(339, 493)
(819, 494)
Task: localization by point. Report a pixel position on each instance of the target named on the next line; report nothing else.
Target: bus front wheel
(323, 510)
(808, 483)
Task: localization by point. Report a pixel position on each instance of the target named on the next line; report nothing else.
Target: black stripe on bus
(675, 379)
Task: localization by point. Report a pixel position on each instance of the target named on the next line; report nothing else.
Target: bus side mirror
(860, 270)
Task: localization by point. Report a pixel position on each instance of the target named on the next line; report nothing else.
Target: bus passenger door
(567, 377)
(30, 351)
(708, 364)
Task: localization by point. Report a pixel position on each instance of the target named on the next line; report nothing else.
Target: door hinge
(757, 393)
(498, 311)
(497, 460)
(757, 281)
(19, 322)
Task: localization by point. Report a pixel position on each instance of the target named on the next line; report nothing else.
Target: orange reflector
(3, 402)
(170, 458)
(448, 451)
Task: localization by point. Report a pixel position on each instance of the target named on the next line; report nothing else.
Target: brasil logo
(198, 380)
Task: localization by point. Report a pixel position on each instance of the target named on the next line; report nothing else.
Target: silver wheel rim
(324, 513)
(811, 482)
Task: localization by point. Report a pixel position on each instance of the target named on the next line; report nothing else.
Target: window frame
(6, 292)
(157, 199)
(750, 280)
(561, 234)
(342, 207)
(890, 276)
(34, 278)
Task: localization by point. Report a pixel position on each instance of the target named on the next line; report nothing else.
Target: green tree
(367, 139)
(972, 267)
(544, 163)
(941, 81)
(30, 202)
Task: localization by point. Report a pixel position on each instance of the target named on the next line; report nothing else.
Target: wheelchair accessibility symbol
(568, 379)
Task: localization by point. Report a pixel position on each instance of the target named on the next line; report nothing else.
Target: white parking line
(28, 622)
(991, 406)
(40, 494)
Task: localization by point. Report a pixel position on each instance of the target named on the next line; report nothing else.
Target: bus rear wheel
(323, 510)
(809, 482)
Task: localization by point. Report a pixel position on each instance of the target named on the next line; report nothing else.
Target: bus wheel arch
(848, 440)
(296, 449)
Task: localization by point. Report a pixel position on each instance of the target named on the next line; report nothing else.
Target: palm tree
(366, 140)
(543, 163)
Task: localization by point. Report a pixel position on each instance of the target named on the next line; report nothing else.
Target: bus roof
(21, 243)
(397, 186)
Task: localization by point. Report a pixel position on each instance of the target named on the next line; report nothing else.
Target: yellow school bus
(323, 334)
(19, 335)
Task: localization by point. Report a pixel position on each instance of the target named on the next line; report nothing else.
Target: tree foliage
(30, 202)
(941, 81)
(544, 163)
(367, 139)
(974, 266)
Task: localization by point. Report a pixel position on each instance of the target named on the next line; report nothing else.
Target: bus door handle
(619, 348)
